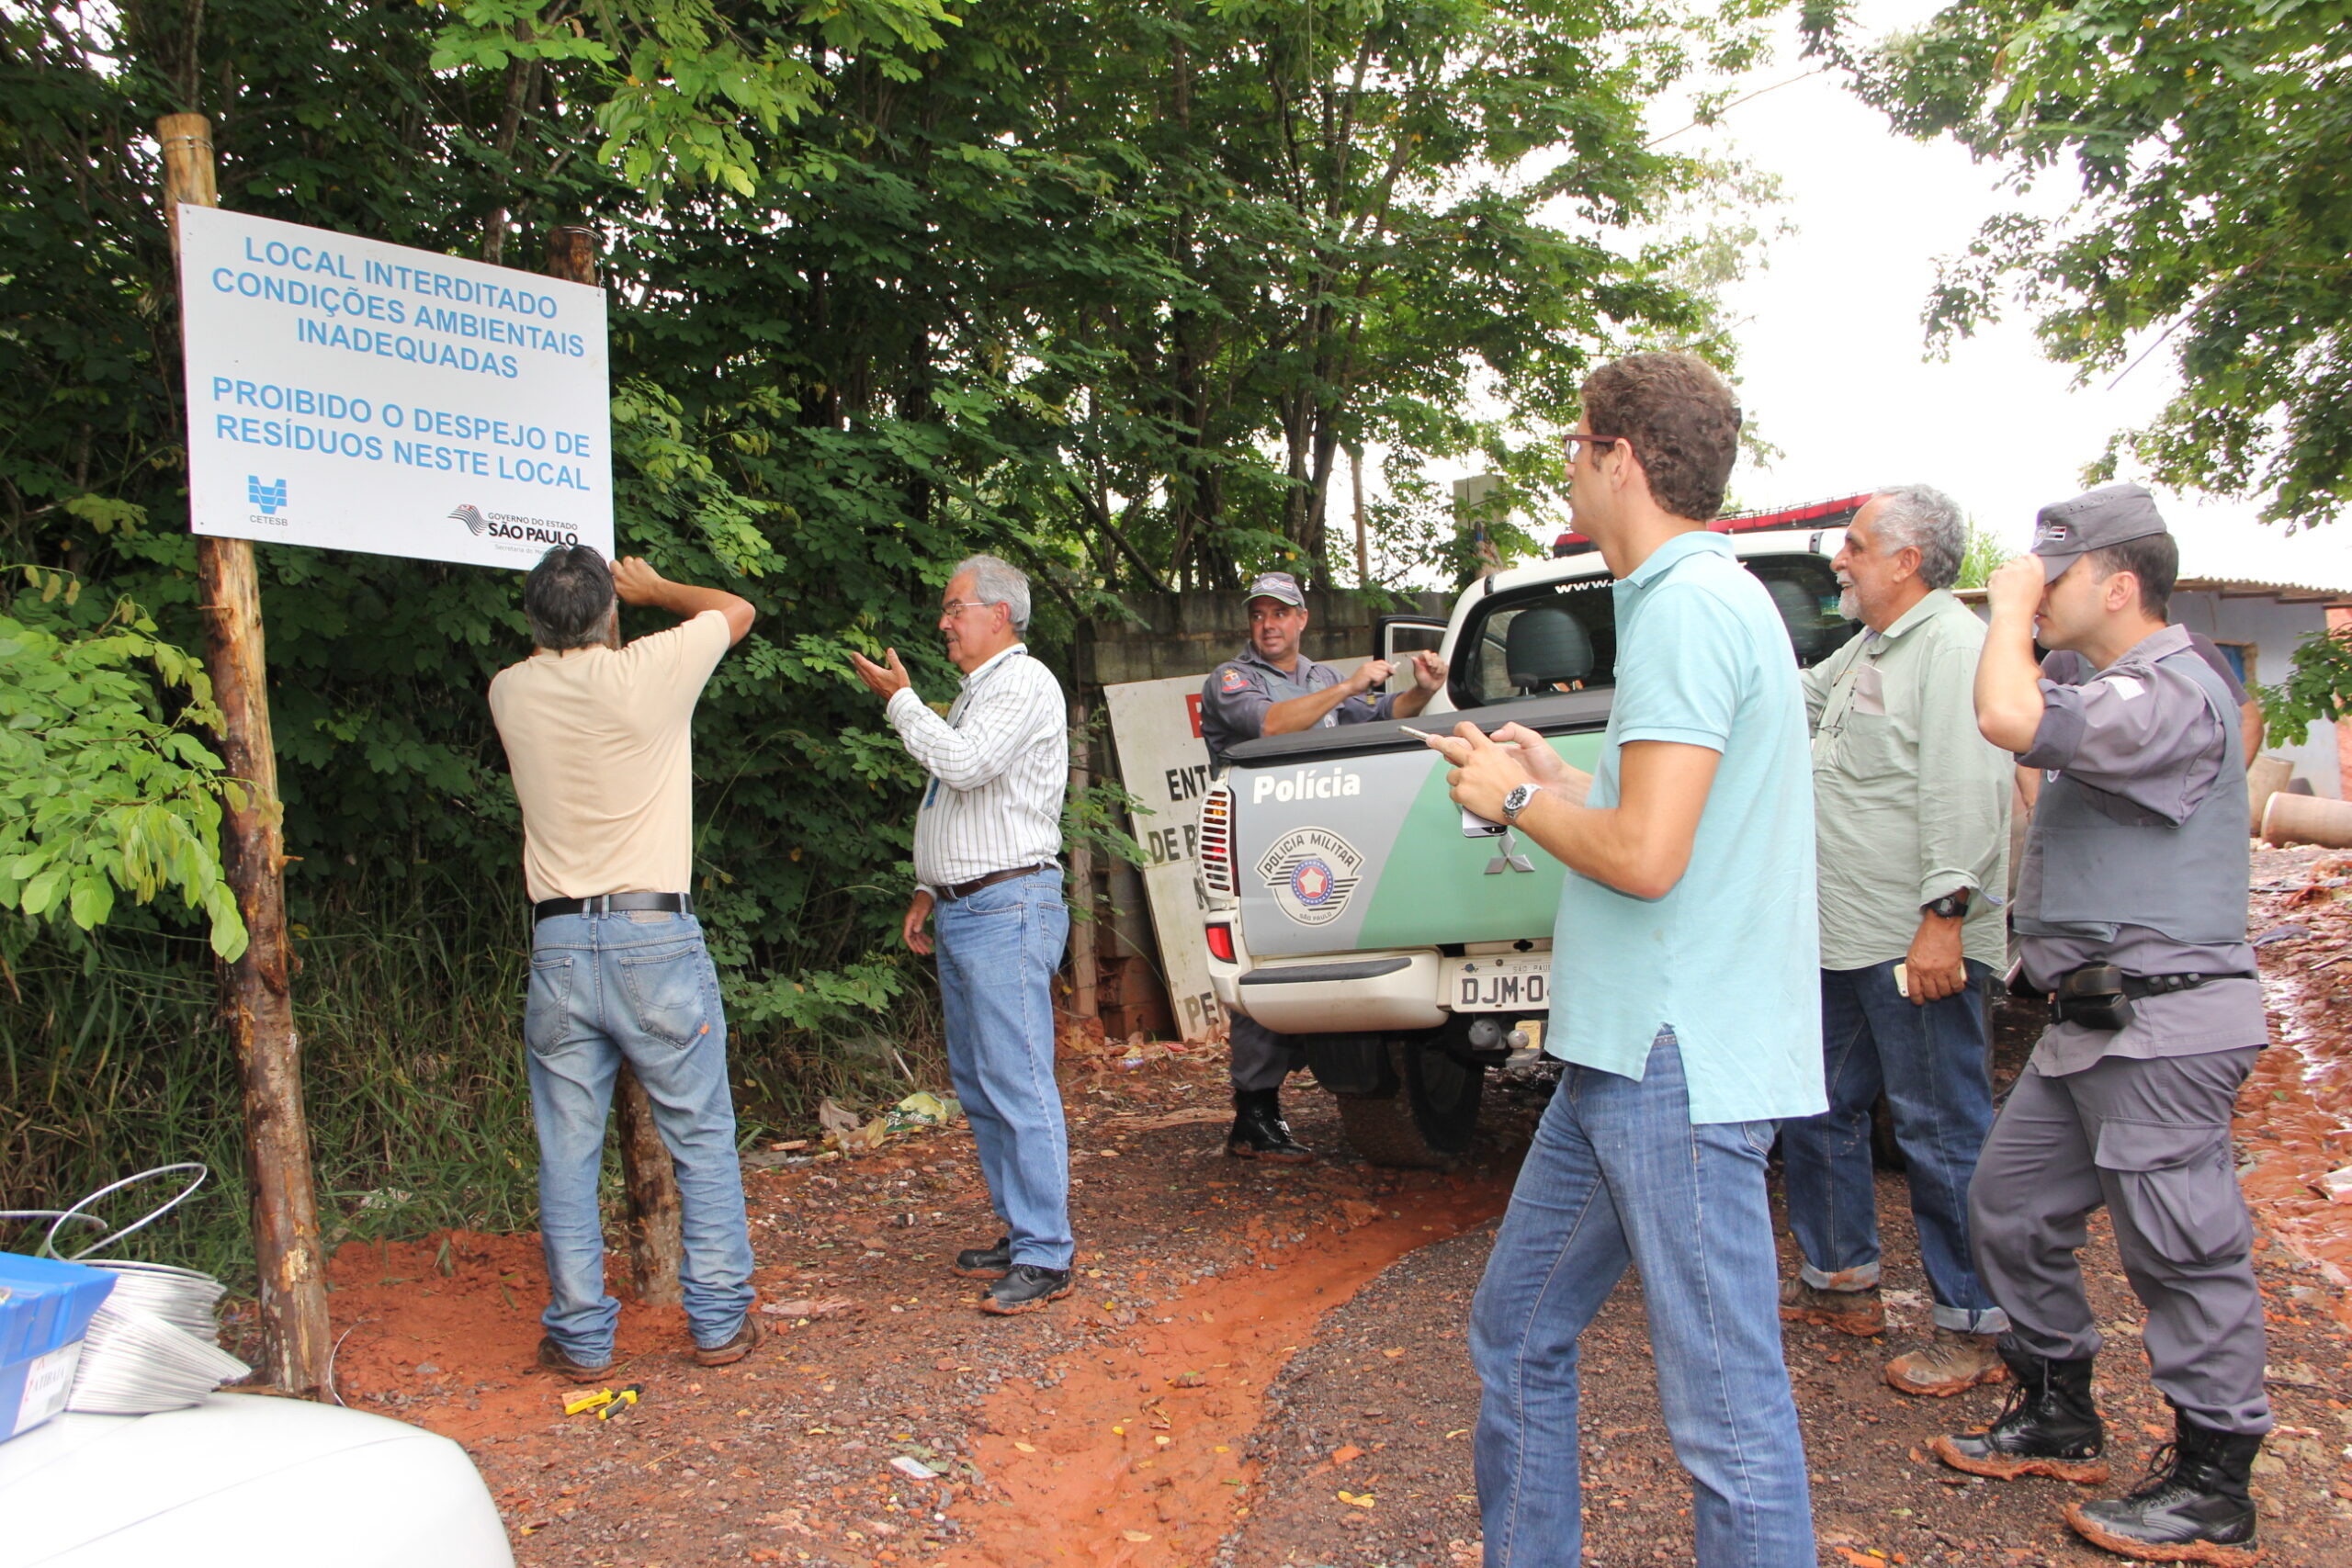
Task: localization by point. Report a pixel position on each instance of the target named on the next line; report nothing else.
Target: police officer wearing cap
(2131, 910)
(1272, 688)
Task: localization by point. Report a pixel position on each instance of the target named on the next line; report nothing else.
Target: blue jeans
(998, 952)
(1619, 1174)
(1931, 1061)
(639, 988)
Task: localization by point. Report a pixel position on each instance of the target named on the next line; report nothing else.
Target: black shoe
(2048, 1428)
(2192, 1507)
(1027, 1288)
(985, 1262)
(1260, 1132)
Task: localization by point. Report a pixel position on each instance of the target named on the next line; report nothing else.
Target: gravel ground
(1381, 1404)
(1248, 1344)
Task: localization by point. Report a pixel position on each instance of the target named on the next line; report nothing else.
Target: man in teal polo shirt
(1685, 1003)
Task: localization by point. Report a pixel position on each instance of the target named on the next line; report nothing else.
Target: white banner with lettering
(353, 395)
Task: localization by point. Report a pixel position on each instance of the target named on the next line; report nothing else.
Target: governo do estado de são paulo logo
(506, 525)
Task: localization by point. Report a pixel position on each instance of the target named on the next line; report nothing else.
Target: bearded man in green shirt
(1912, 819)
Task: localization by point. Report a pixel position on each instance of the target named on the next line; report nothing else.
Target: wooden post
(649, 1183)
(649, 1178)
(254, 994)
(1083, 933)
(1363, 547)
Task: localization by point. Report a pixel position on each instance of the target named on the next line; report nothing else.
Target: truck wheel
(1427, 1122)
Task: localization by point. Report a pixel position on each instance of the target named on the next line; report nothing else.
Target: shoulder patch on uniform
(2127, 686)
(1235, 680)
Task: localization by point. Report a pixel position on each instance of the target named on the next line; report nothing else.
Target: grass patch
(114, 1059)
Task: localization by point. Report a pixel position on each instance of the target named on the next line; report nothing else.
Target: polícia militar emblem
(1311, 872)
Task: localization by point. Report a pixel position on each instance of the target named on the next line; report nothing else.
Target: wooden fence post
(254, 994)
(649, 1178)
(1085, 975)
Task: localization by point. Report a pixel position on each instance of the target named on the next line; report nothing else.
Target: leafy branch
(102, 792)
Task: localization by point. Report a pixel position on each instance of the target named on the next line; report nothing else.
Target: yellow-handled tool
(605, 1401)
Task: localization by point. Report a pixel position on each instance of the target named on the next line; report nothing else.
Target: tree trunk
(1084, 935)
(256, 998)
(649, 1178)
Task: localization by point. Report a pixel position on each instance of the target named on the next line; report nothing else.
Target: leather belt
(614, 904)
(965, 889)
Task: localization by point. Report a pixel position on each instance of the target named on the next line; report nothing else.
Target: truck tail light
(1216, 839)
(1221, 943)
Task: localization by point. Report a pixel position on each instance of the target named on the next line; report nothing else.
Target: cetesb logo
(270, 497)
(471, 515)
(1311, 871)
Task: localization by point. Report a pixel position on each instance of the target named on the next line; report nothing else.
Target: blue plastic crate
(45, 1308)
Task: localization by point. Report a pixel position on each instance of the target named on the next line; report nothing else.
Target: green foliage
(1985, 555)
(2318, 686)
(1102, 289)
(101, 791)
(2210, 143)
(679, 79)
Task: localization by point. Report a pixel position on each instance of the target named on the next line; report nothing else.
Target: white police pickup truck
(1348, 904)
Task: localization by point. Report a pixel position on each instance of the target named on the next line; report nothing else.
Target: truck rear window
(1562, 637)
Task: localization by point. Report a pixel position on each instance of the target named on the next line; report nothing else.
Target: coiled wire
(134, 1364)
(154, 1342)
(181, 1297)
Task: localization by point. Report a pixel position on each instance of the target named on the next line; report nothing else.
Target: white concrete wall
(2274, 629)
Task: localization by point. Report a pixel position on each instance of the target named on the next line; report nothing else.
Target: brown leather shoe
(1951, 1362)
(1859, 1313)
(552, 1358)
(747, 1339)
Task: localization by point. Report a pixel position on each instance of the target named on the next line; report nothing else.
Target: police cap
(2092, 520)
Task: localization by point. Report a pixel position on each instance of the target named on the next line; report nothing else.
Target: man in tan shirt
(598, 738)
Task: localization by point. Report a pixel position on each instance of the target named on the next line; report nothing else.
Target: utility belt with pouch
(2099, 995)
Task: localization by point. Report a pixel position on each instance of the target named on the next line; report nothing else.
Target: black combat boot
(2191, 1507)
(1260, 1132)
(2049, 1426)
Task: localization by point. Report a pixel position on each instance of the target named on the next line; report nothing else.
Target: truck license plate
(1496, 985)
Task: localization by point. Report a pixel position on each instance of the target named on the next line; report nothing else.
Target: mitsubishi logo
(1511, 859)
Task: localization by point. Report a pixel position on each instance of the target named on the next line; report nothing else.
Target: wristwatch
(1516, 801)
(1950, 907)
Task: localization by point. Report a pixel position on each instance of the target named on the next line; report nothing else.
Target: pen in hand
(1425, 735)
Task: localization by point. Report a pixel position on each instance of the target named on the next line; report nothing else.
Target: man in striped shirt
(987, 837)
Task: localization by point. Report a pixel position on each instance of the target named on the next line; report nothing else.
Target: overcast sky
(1831, 342)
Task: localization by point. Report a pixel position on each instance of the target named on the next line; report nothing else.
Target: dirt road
(1266, 1366)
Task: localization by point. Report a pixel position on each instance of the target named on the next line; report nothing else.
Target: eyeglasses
(1598, 442)
(957, 606)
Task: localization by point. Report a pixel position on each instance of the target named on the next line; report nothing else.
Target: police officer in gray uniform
(1272, 688)
(2131, 907)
